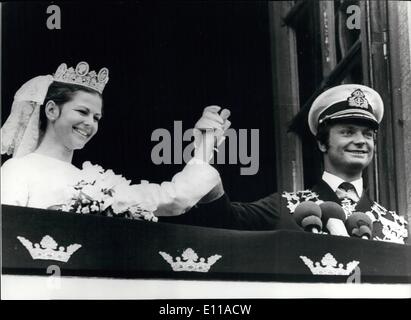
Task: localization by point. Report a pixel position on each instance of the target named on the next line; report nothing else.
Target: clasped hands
(209, 131)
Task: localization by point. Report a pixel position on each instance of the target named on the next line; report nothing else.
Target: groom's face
(350, 147)
(78, 120)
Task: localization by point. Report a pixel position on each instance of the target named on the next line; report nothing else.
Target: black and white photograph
(202, 150)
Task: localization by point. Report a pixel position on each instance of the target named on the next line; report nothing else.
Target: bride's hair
(61, 93)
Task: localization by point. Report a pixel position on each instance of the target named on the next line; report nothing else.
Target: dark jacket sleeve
(263, 214)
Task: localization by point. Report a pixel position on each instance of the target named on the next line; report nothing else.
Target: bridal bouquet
(103, 192)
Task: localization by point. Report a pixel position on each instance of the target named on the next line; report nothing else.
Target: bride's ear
(52, 110)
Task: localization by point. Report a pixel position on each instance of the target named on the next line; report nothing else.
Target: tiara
(81, 76)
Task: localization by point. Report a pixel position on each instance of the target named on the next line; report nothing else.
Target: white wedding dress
(39, 181)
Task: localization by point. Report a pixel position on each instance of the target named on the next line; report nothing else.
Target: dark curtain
(167, 62)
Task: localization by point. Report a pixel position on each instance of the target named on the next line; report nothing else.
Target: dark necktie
(347, 191)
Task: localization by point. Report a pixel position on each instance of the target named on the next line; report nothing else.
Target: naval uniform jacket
(275, 212)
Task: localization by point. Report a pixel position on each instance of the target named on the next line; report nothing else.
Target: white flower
(123, 198)
(109, 180)
(93, 192)
(71, 193)
(87, 165)
(94, 208)
(67, 207)
(107, 202)
(100, 190)
(91, 173)
(149, 216)
(85, 210)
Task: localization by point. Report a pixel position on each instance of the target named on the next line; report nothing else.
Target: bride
(54, 115)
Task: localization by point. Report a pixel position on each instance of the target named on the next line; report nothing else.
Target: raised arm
(197, 178)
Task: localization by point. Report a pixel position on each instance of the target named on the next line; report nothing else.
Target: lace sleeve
(108, 193)
(14, 186)
(186, 189)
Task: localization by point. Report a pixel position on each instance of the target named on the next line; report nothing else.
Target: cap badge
(357, 99)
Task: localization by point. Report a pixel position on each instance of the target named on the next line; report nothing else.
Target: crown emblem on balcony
(189, 261)
(47, 249)
(329, 266)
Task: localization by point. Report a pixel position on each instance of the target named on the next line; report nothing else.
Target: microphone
(359, 225)
(308, 215)
(333, 217)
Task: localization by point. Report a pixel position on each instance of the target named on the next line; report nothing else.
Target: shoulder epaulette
(393, 226)
(295, 198)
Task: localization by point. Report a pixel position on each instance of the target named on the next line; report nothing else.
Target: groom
(344, 120)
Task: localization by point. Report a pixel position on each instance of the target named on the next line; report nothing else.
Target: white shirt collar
(333, 181)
